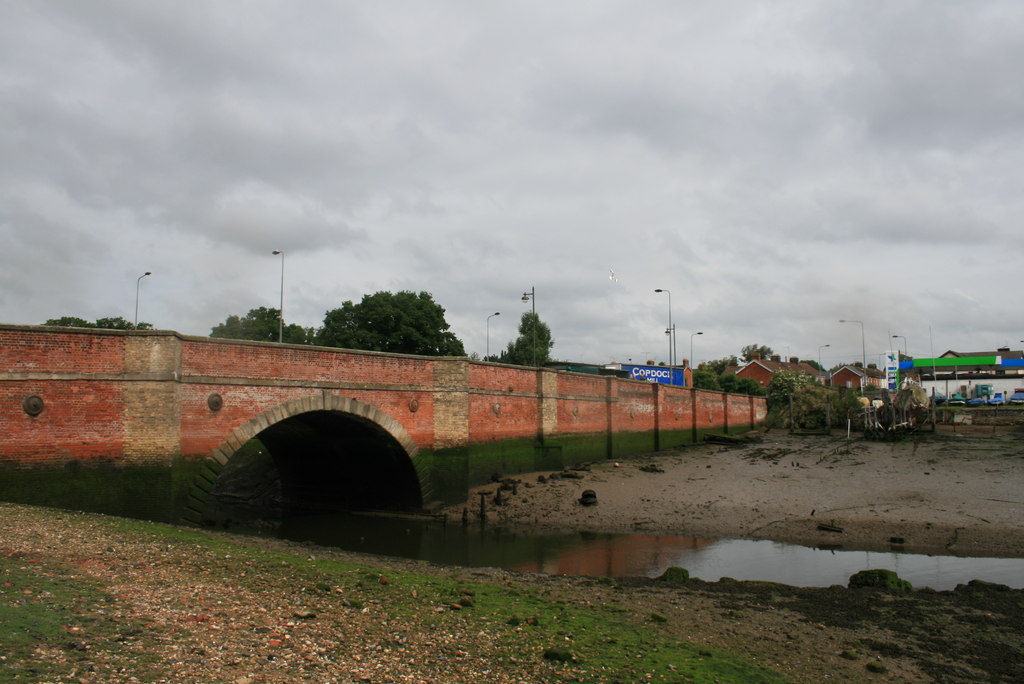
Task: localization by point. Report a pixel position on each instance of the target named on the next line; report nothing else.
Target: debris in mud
(826, 527)
(588, 498)
(651, 468)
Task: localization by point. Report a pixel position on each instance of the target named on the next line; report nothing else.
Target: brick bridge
(146, 423)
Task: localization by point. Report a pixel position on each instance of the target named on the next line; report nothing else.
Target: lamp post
(691, 346)
(863, 353)
(824, 346)
(496, 313)
(531, 296)
(668, 331)
(905, 354)
(138, 282)
(280, 311)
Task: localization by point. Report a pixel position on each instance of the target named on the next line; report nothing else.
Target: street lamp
(821, 367)
(280, 311)
(496, 313)
(905, 354)
(670, 329)
(691, 346)
(863, 353)
(531, 297)
(138, 282)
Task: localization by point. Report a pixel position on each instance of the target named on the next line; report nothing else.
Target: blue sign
(660, 374)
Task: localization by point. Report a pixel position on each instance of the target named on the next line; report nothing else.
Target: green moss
(675, 575)
(880, 579)
(151, 493)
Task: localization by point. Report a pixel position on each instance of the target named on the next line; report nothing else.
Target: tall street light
(896, 337)
(280, 311)
(821, 367)
(691, 346)
(496, 313)
(138, 282)
(531, 296)
(863, 353)
(669, 330)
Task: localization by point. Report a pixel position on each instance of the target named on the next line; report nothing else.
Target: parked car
(997, 399)
(1017, 398)
(956, 400)
(977, 401)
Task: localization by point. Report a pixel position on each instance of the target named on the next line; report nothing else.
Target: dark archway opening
(316, 462)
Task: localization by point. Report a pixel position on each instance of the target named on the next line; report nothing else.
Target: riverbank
(946, 493)
(89, 599)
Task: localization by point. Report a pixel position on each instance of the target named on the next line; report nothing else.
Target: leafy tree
(109, 323)
(814, 364)
(261, 325)
(749, 386)
(703, 379)
(783, 385)
(752, 351)
(70, 322)
(728, 382)
(403, 323)
(718, 366)
(533, 346)
(115, 323)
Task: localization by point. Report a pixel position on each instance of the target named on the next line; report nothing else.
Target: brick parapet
(143, 396)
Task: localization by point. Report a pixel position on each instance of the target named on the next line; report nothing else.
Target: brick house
(858, 376)
(761, 370)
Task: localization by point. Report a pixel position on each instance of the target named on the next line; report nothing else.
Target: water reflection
(637, 554)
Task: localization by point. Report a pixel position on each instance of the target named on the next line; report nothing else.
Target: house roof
(860, 371)
(1005, 353)
(774, 366)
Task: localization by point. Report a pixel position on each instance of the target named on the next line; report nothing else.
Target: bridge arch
(329, 453)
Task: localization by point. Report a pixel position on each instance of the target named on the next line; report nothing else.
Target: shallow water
(639, 554)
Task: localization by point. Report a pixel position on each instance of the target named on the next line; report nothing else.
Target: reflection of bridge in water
(631, 555)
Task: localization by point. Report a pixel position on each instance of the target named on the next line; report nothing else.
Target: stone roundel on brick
(414, 405)
(33, 404)
(215, 402)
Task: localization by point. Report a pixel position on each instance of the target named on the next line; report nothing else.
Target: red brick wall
(80, 421)
(143, 396)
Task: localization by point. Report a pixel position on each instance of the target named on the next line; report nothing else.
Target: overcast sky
(776, 165)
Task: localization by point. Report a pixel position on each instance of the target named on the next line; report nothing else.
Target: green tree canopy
(785, 384)
(704, 379)
(752, 351)
(533, 346)
(403, 323)
(717, 366)
(262, 325)
(108, 323)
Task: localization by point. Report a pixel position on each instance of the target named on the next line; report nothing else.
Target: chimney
(794, 359)
(776, 357)
(858, 364)
(872, 366)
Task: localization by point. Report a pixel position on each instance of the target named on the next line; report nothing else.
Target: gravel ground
(110, 600)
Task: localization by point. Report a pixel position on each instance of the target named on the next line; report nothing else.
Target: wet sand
(938, 493)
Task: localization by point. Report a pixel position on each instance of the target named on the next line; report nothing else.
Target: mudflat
(948, 492)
